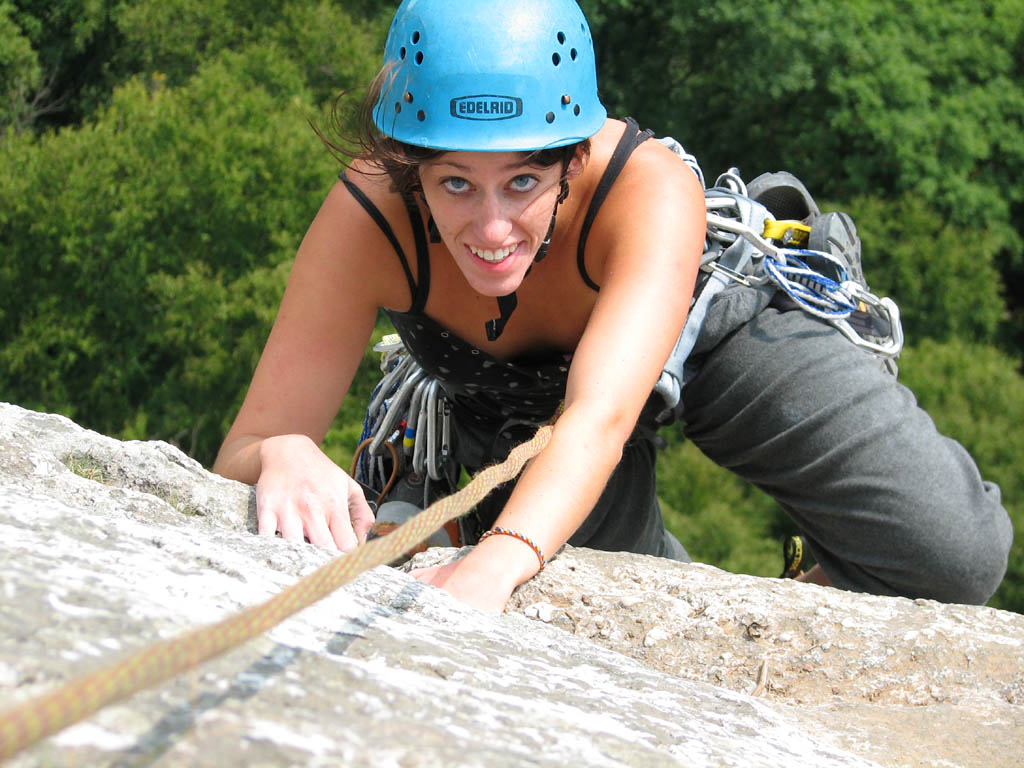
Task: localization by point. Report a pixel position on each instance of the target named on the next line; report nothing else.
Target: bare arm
(318, 338)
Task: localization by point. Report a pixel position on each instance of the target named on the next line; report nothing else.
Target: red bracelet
(516, 535)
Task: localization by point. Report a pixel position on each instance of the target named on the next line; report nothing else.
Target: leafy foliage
(54, 57)
(19, 71)
(854, 101)
(60, 61)
(942, 275)
(333, 48)
(147, 249)
(719, 518)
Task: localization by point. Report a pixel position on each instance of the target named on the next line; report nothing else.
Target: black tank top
(490, 397)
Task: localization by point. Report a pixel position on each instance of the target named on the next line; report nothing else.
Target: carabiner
(419, 453)
(889, 312)
(412, 421)
(732, 181)
(432, 408)
(442, 459)
(388, 384)
(396, 409)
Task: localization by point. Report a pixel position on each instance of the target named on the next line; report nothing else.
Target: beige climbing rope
(28, 723)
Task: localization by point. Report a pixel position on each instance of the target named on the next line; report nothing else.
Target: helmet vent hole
(419, 57)
(398, 107)
(556, 59)
(576, 110)
(407, 97)
(421, 115)
(573, 54)
(415, 37)
(550, 117)
(401, 53)
(561, 38)
(566, 98)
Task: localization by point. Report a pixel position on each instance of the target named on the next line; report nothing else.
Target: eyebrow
(508, 167)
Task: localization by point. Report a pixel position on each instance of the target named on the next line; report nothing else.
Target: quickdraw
(818, 282)
(407, 427)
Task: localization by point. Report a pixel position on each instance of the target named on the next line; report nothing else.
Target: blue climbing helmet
(489, 76)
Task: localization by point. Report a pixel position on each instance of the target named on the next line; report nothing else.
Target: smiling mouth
(493, 257)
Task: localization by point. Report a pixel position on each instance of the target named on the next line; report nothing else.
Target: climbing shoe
(784, 195)
(835, 233)
(794, 554)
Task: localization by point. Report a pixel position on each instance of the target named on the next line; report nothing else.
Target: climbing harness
(745, 244)
(407, 428)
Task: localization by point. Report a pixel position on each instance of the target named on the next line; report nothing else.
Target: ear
(575, 166)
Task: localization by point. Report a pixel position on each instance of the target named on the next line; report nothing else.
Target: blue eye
(455, 184)
(523, 183)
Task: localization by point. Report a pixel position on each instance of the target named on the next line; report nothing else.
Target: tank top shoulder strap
(419, 290)
(632, 138)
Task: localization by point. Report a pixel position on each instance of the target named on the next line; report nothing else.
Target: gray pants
(886, 503)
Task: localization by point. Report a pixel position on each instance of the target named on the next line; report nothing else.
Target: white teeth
(492, 256)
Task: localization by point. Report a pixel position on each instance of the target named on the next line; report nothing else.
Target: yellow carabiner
(789, 233)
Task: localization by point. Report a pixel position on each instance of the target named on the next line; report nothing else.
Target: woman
(530, 251)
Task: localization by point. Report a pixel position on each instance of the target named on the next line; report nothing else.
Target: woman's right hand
(302, 493)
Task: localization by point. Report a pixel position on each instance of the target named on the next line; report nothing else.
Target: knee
(963, 563)
(970, 577)
(955, 553)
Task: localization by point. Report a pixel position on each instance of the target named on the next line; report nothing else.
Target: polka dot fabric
(481, 387)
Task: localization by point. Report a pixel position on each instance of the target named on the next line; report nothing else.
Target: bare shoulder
(346, 205)
(657, 198)
(345, 237)
(655, 173)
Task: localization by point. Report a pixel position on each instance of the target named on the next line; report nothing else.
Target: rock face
(602, 660)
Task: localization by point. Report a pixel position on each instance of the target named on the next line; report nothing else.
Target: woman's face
(492, 211)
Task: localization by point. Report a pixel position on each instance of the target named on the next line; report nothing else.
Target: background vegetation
(157, 172)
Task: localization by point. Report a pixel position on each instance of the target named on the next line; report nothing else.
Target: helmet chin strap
(508, 302)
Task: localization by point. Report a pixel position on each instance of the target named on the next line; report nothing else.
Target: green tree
(146, 247)
(719, 518)
(60, 61)
(65, 71)
(942, 275)
(144, 250)
(923, 96)
(19, 72)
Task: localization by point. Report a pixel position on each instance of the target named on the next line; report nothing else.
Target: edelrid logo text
(487, 107)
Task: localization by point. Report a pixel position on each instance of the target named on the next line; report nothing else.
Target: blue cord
(814, 292)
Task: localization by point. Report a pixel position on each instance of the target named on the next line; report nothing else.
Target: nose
(493, 221)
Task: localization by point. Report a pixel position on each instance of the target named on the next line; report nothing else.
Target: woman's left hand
(454, 579)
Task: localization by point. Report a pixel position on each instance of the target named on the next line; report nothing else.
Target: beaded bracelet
(516, 535)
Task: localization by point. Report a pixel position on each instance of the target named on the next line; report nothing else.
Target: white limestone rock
(142, 544)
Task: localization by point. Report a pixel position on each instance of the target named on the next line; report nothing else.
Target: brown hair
(401, 161)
